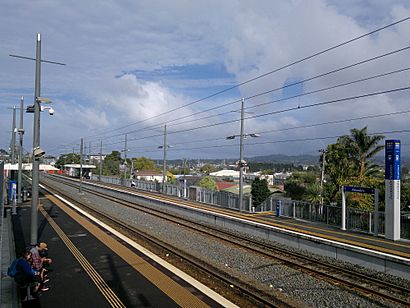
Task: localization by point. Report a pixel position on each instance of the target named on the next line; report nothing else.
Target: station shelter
(73, 170)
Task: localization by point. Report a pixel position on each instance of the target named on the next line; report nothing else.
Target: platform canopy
(78, 166)
(28, 167)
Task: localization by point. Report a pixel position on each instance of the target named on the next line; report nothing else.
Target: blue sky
(133, 65)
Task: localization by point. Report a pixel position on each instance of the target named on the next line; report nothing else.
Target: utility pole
(322, 174)
(81, 166)
(125, 157)
(20, 161)
(36, 144)
(13, 140)
(99, 177)
(164, 173)
(241, 164)
(36, 139)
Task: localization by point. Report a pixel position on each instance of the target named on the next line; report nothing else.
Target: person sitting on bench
(26, 275)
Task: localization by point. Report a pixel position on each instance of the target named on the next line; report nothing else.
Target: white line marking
(308, 236)
(195, 283)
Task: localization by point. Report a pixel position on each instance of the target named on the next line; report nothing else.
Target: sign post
(361, 190)
(392, 190)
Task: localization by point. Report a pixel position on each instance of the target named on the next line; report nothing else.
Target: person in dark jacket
(25, 274)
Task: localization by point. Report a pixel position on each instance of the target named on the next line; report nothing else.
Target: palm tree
(362, 148)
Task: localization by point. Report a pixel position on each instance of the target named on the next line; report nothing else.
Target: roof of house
(225, 173)
(147, 173)
(224, 185)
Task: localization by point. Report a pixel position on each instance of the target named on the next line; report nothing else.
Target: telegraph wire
(156, 126)
(304, 126)
(286, 110)
(301, 95)
(283, 141)
(271, 72)
(329, 102)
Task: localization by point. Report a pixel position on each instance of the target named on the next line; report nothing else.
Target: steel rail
(304, 263)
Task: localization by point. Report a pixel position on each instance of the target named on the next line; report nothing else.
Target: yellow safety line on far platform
(89, 269)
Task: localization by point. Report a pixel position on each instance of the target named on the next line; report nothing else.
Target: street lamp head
(43, 100)
(30, 109)
(254, 135)
(38, 152)
(230, 137)
(50, 109)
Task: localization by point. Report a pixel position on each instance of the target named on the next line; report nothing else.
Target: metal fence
(169, 189)
(356, 220)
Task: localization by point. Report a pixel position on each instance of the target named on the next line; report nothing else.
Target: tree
(349, 160)
(111, 165)
(208, 183)
(296, 185)
(143, 163)
(207, 169)
(363, 147)
(260, 191)
(70, 158)
(314, 193)
(294, 190)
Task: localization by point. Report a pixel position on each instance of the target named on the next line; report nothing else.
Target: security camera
(50, 111)
(38, 152)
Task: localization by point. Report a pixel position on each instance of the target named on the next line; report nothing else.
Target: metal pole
(99, 177)
(376, 212)
(81, 166)
(125, 158)
(21, 132)
(322, 175)
(241, 160)
(13, 138)
(164, 173)
(36, 143)
(343, 209)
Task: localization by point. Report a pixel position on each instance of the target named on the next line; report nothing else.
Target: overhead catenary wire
(303, 94)
(156, 126)
(269, 72)
(328, 102)
(398, 131)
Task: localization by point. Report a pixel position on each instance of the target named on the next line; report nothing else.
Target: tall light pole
(20, 161)
(165, 146)
(36, 144)
(241, 160)
(125, 157)
(99, 177)
(37, 152)
(13, 139)
(81, 166)
(164, 171)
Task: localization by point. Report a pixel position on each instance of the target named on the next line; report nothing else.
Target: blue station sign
(392, 160)
(357, 189)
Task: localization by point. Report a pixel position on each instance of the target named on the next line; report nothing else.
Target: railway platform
(400, 248)
(91, 267)
(367, 250)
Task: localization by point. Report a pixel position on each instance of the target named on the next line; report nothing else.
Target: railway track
(351, 280)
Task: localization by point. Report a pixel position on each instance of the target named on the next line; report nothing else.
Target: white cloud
(102, 40)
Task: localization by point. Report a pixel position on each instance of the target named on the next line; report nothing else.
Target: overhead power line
(275, 90)
(329, 102)
(301, 95)
(270, 72)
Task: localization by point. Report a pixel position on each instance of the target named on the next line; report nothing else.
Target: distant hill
(286, 159)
